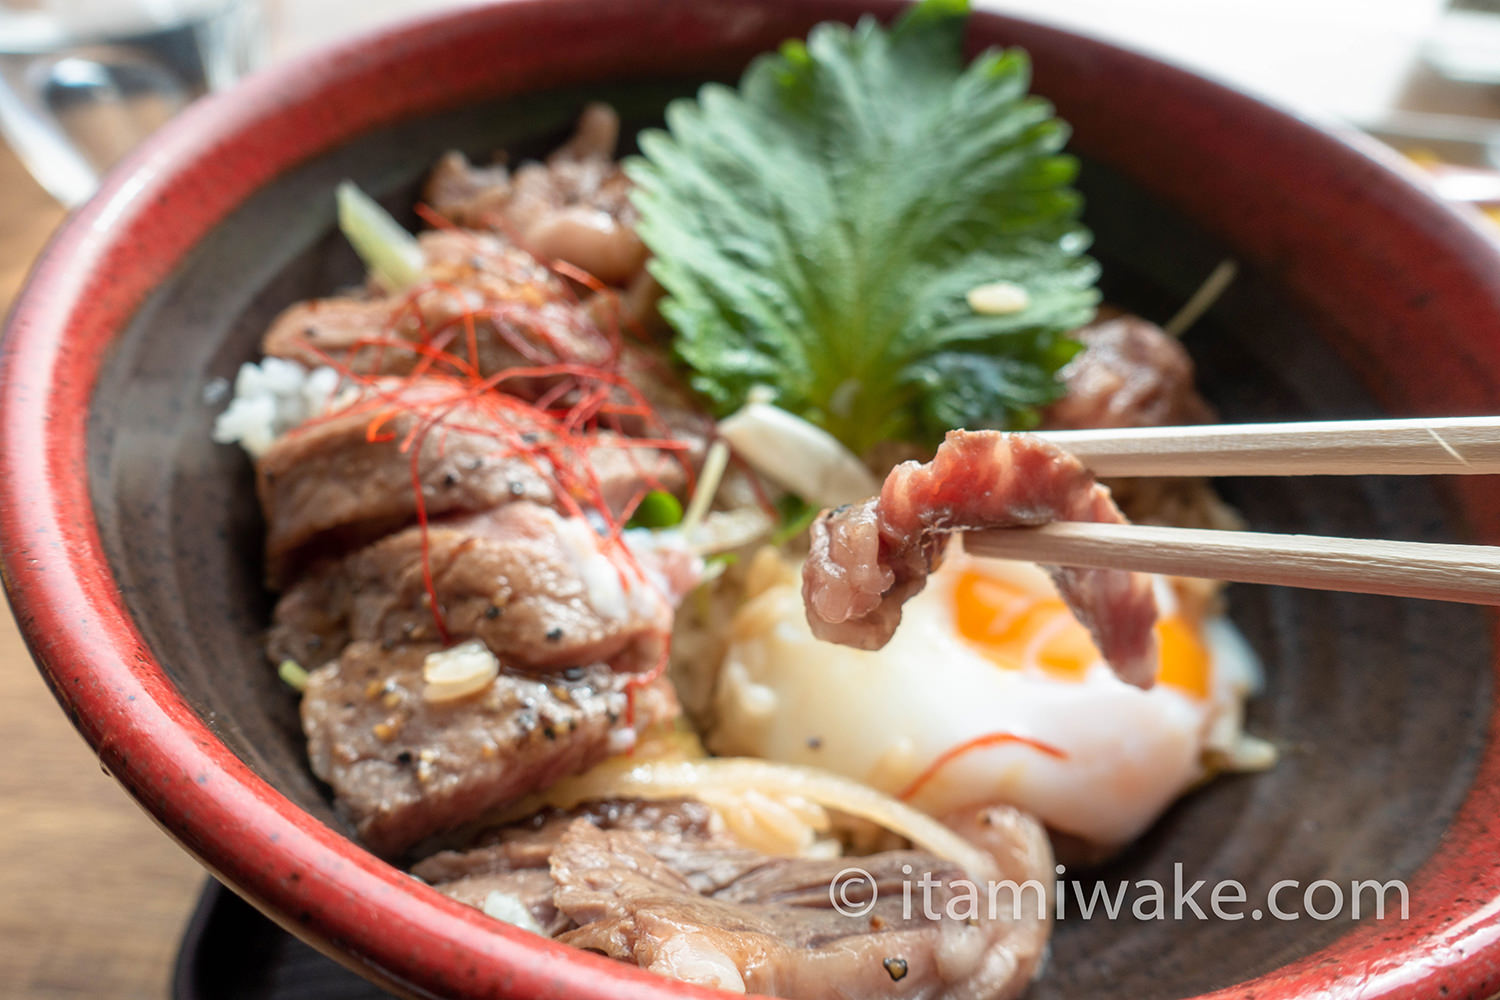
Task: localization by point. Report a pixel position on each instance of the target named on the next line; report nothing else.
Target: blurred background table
(93, 897)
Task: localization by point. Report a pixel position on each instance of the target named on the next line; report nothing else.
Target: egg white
(883, 717)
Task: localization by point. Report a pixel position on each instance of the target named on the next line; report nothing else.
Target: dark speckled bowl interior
(1379, 706)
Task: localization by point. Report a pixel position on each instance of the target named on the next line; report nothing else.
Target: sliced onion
(509, 908)
(709, 478)
(797, 456)
(690, 778)
(393, 255)
(725, 530)
(770, 822)
(293, 675)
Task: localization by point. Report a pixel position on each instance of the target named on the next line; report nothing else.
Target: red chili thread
(977, 743)
(582, 399)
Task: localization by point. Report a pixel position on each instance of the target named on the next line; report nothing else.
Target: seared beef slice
(671, 893)
(536, 588)
(331, 484)
(403, 768)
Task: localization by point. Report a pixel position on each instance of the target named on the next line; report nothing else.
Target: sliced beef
(574, 207)
(1130, 373)
(331, 484)
(543, 592)
(516, 311)
(1133, 374)
(659, 885)
(671, 407)
(516, 859)
(467, 194)
(868, 559)
(403, 768)
(719, 915)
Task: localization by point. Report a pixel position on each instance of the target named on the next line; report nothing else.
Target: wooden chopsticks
(1465, 574)
(1468, 574)
(1443, 446)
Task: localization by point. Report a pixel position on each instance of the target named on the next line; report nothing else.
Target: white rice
(272, 397)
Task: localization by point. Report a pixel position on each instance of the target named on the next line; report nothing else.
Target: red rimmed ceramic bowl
(130, 542)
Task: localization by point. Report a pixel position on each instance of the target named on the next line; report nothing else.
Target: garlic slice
(998, 298)
(466, 669)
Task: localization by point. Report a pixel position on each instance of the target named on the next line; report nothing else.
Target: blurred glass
(1465, 43)
(83, 81)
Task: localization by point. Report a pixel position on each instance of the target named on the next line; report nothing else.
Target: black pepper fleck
(555, 634)
(573, 674)
(815, 743)
(895, 968)
(450, 479)
(492, 612)
(404, 757)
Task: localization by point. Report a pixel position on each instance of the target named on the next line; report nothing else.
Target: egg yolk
(1016, 628)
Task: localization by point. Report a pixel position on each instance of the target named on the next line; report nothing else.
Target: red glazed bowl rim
(111, 253)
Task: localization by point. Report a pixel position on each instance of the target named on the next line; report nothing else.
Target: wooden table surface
(92, 895)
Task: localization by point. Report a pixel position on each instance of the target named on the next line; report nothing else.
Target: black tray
(230, 952)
